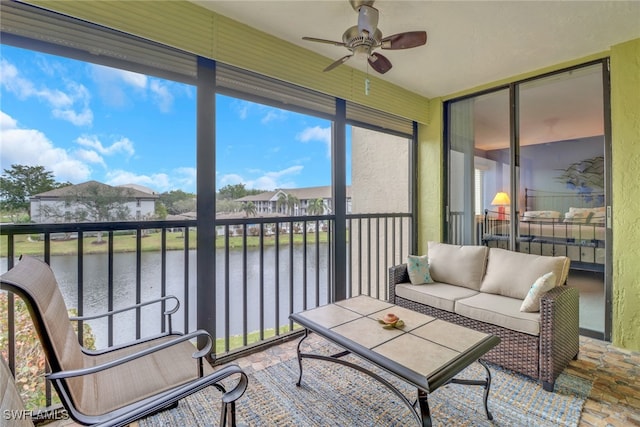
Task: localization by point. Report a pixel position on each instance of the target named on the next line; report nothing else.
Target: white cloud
(90, 156)
(11, 80)
(317, 133)
(32, 148)
(182, 178)
(185, 179)
(79, 119)
(231, 179)
(132, 79)
(157, 181)
(187, 173)
(242, 108)
(268, 114)
(112, 83)
(7, 122)
(108, 74)
(123, 145)
(64, 103)
(70, 103)
(162, 95)
(48, 67)
(267, 181)
(273, 115)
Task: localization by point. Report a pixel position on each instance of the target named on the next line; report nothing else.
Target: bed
(555, 223)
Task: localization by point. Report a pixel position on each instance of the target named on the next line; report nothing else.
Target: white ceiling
(469, 43)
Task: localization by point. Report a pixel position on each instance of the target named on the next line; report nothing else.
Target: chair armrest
(397, 274)
(559, 330)
(167, 313)
(93, 369)
(133, 307)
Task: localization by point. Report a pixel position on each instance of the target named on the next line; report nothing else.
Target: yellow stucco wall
(625, 134)
(430, 179)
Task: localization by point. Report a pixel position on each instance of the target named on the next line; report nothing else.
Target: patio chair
(11, 406)
(117, 385)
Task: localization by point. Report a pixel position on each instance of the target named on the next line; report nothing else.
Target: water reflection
(260, 285)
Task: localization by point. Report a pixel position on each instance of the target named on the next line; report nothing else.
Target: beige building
(73, 203)
(267, 203)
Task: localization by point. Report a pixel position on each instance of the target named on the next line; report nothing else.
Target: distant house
(76, 203)
(267, 203)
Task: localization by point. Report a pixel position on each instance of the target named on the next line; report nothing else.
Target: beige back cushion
(37, 279)
(511, 274)
(457, 265)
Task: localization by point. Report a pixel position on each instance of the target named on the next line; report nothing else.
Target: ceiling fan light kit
(364, 38)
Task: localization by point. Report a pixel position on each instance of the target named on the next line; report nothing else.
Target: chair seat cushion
(131, 382)
(500, 311)
(437, 295)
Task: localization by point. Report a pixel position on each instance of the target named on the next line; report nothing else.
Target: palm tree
(315, 207)
(249, 209)
(289, 201)
(282, 201)
(292, 202)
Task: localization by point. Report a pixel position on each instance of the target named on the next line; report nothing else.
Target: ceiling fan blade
(379, 63)
(367, 19)
(313, 39)
(404, 40)
(338, 62)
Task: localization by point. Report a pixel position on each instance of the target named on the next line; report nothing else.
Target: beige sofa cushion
(437, 295)
(458, 265)
(512, 274)
(499, 310)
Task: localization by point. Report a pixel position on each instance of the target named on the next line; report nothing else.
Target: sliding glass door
(527, 171)
(479, 165)
(562, 197)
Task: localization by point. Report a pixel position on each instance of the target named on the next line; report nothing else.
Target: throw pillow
(418, 269)
(544, 283)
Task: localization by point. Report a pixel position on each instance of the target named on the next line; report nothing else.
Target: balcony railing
(266, 268)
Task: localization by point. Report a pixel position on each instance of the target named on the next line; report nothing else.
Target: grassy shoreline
(26, 245)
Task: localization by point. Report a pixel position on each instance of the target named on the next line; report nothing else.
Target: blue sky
(86, 122)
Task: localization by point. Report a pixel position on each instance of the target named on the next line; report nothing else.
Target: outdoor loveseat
(485, 289)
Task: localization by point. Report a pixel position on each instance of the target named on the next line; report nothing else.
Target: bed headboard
(540, 200)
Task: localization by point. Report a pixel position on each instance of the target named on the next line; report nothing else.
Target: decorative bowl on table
(390, 321)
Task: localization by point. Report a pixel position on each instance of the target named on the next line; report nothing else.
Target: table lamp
(501, 200)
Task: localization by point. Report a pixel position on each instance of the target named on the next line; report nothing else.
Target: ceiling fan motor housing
(358, 42)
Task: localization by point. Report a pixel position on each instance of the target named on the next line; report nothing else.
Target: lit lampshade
(501, 200)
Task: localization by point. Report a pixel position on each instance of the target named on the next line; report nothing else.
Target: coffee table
(426, 353)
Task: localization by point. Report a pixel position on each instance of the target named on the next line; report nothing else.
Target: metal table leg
(424, 408)
(306, 334)
(420, 409)
(486, 383)
(336, 358)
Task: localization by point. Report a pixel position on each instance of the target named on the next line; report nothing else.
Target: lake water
(124, 288)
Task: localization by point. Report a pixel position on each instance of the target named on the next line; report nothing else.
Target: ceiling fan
(364, 38)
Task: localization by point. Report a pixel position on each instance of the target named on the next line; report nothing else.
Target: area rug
(335, 395)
